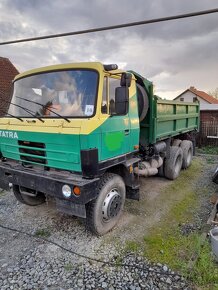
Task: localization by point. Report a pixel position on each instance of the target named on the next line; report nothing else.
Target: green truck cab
(83, 133)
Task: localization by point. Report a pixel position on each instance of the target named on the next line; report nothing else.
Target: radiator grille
(32, 152)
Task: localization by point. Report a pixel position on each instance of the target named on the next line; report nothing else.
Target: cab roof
(89, 65)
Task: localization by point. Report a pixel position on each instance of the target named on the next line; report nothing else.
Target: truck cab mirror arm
(126, 79)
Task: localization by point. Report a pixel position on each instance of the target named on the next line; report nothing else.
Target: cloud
(173, 54)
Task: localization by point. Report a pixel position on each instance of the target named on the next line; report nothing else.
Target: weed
(68, 267)
(43, 233)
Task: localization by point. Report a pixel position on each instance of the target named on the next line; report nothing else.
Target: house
(208, 104)
(192, 94)
(208, 134)
(7, 73)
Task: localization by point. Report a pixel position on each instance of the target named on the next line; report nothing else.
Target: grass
(166, 244)
(2, 192)
(210, 160)
(204, 271)
(43, 233)
(132, 246)
(186, 254)
(213, 150)
(68, 267)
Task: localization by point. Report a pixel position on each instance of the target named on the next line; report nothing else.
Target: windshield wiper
(25, 109)
(29, 111)
(11, 115)
(46, 107)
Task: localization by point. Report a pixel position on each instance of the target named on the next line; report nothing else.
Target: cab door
(115, 130)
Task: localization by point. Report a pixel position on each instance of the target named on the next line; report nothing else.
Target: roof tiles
(203, 95)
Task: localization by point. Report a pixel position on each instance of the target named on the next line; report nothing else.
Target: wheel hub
(111, 205)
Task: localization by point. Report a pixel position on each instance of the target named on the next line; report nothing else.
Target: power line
(118, 26)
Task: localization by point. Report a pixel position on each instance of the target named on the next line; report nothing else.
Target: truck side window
(104, 97)
(108, 97)
(113, 84)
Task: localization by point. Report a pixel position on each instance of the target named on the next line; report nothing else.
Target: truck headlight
(66, 190)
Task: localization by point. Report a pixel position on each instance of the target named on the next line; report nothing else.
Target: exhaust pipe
(149, 168)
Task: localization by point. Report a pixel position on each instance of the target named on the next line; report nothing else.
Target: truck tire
(103, 213)
(176, 142)
(143, 102)
(26, 199)
(187, 148)
(161, 169)
(173, 164)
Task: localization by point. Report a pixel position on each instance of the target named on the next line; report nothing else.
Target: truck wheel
(103, 213)
(173, 164)
(176, 142)
(161, 169)
(26, 199)
(187, 148)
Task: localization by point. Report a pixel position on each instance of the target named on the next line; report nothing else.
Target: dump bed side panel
(167, 119)
(173, 118)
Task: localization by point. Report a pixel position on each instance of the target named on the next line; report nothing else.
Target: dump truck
(84, 133)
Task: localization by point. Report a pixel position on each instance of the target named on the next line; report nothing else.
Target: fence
(208, 134)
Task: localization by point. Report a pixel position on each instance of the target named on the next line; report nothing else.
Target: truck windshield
(70, 93)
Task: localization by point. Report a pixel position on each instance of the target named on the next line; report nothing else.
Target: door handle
(126, 132)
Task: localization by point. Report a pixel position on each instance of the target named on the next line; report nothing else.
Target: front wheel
(27, 199)
(103, 213)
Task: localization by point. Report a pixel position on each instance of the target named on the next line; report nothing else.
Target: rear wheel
(34, 200)
(173, 164)
(187, 148)
(176, 142)
(103, 213)
(161, 169)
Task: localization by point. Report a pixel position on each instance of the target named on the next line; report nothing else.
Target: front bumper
(50, 183)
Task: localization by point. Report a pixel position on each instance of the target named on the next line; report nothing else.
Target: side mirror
(126, 79)
(121, 100)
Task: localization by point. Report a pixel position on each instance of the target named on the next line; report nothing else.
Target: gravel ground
(27, 263)
(33, 272)
(204, 189)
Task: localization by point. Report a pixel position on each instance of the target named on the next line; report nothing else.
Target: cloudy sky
(174, 55)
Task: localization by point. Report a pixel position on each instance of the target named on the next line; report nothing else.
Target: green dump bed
(167, 119)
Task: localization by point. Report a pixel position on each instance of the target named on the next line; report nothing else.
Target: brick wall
(7, 74)
(209, 115)
(208, 128)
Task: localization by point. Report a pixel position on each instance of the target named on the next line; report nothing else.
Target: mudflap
(132, 193)
(71, 208)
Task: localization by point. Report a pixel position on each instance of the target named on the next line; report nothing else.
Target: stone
(168, 281)
(104, 285)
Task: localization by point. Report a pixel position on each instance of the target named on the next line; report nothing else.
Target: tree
(214, 93)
